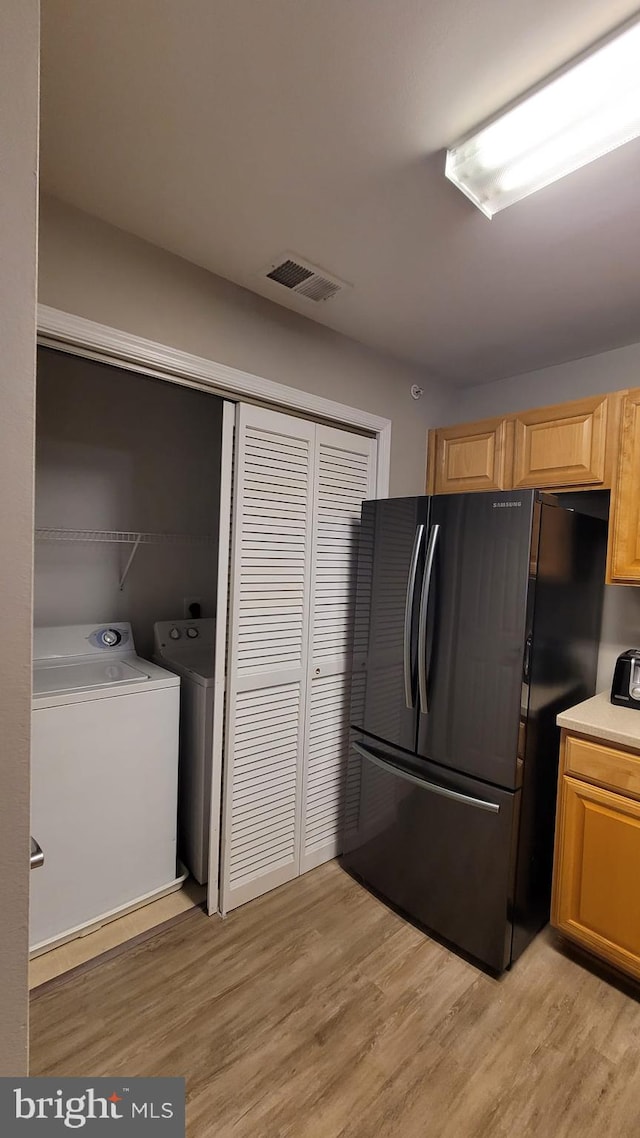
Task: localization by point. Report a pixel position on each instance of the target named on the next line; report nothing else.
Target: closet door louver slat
(269, 629)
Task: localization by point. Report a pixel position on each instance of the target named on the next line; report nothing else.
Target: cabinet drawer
(604, 765)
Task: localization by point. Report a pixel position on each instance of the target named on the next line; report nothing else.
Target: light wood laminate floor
(315, 1012)
(114, 933)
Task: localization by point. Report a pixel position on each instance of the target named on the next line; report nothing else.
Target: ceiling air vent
(302, 278)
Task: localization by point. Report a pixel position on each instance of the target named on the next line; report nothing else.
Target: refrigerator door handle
(432, 787)
(526, 664)
(408, 617)
(422, 619)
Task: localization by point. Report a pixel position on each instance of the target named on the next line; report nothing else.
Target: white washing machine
(104, 779)
(187, 647)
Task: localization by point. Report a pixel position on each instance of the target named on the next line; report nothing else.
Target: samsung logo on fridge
(505, 505)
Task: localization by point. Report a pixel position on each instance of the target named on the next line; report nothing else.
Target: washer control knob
(635, 692)
(110, 637)
(192, 633)
(174, 633)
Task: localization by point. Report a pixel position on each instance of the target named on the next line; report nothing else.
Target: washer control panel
(183, 633)
(111, 636)
(71, 641)
(191, 631)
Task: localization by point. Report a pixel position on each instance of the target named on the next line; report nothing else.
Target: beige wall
(19, 36)
(91, 269)
(608, 371)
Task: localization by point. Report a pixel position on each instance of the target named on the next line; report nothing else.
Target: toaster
(625, 688)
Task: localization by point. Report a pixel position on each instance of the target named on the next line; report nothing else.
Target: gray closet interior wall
(120, 451)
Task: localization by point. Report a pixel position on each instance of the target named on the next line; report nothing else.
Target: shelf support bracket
(129, 561)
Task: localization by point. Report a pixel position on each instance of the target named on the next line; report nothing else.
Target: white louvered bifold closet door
(344, 477)
(267, 672)
(296, 517)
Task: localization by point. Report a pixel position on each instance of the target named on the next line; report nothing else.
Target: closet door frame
(80, 337)
(75, 335)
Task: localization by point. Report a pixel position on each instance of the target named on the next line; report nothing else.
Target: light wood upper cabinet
(561, 446)
(568, 446)
(473, 456)
(588, 444)
(597, 862)
(624, 528)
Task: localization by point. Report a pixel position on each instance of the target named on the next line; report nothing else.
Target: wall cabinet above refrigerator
(567, 445)
(587, 444)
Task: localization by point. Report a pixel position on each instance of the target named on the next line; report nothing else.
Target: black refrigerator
(477, 622)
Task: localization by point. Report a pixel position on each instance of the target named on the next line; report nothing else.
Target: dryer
(104, 779)
(187, 647)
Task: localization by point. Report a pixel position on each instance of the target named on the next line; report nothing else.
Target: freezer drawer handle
(391, 768)
(408, 617)
(37, 856)
(422, 619)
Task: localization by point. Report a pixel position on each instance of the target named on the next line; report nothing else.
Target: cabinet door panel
(473, 456)
(624, 533)
(561, 446)
(596, 898)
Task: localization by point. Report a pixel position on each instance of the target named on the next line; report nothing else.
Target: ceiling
(232, 131)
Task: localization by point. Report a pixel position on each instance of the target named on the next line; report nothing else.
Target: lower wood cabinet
(596, 894)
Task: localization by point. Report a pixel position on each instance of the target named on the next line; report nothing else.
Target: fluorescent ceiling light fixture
(585, 112)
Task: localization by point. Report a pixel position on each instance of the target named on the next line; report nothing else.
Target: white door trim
(78, 336)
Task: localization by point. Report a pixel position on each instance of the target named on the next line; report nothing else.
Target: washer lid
(62, 678)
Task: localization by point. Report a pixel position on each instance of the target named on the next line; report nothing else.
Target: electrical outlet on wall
(186, 602)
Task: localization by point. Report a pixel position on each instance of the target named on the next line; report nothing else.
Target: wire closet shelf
(123, 537)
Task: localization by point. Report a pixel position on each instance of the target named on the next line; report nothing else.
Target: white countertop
(603, 720)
